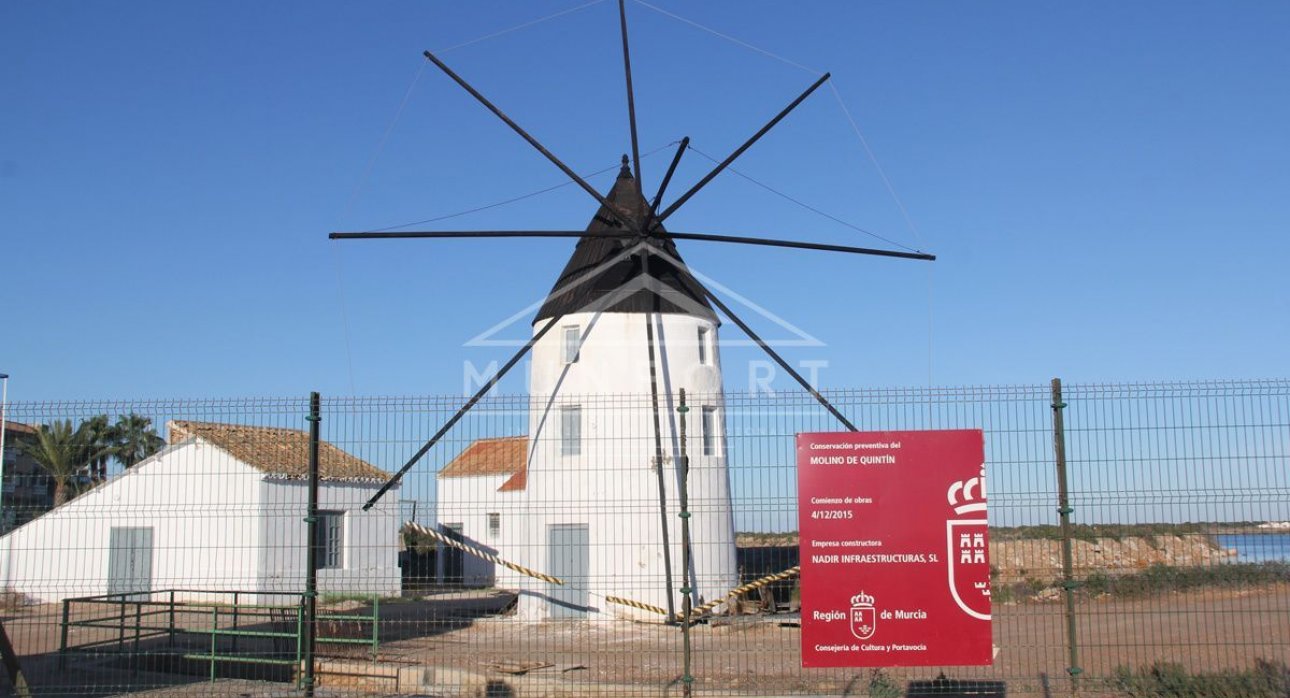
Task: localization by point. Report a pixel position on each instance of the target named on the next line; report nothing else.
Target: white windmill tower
(596, 482)
(597, 462)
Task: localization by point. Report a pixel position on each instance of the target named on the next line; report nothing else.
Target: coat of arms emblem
(864, 617)
(967, 547)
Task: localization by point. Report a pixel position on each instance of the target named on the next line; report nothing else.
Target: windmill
(626, 278)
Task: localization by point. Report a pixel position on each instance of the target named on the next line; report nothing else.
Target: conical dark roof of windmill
(603, 276)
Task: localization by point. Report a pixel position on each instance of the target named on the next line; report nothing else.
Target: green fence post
(687, 594)
(172, 617)
(138, 631)
(376, 625)
(1064, 510)
(214, 638)
(300, 631)
(62, 643)
(120, 638)
(236, 602)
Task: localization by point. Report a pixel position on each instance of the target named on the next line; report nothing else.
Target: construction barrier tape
(635, 604)
(754, 584)
(481, 554)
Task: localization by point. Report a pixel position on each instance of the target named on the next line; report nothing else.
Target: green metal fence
(186, 625)
(1138, 532)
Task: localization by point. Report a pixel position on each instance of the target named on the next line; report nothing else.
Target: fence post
(172, 617)
(62, 641)
(376, 626)
(311, 550)
(1064, 510)
(683, 497)
(236, 602)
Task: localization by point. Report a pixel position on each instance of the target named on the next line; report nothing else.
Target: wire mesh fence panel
(1181, 490)
(552, 544)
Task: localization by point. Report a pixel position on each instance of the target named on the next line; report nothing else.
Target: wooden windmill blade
(627, 235)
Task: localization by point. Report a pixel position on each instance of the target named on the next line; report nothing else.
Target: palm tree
(134, 439)
(61, 451)
(98, 438)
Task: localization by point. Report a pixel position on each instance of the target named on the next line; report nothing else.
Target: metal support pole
(687, 598)
(658, 444)
(4, 416)
(1064, 510)
(311, 555)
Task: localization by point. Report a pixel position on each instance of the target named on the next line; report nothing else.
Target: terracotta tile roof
(18, 428)
(518, 482)
(500, 456)
(277, 452)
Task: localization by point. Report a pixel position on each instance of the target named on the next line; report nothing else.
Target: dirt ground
(749, 655)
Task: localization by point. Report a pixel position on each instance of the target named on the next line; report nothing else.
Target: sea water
(1257, 547)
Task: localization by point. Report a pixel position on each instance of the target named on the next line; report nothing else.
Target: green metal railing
(128, 622)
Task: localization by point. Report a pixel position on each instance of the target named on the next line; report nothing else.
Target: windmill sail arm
(740, 150)
(474, 399)
(517, 129)
(768, 242)
(449, 234)
(625, 234)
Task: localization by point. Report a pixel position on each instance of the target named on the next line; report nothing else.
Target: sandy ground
(754, 655)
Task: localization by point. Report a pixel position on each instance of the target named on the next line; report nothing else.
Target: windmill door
(129, 560)
(570, 561)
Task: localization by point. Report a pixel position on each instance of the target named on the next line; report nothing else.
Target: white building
(578, 497)
(221, 508)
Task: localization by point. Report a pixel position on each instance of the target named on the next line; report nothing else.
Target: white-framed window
(494, 524)
(331, 540)
(571, 430)
(572, 341)
(709, 431)
(705, 350)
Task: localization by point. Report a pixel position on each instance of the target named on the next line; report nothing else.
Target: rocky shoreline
(1041, 560)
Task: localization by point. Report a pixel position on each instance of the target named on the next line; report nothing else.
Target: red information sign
(894, 552)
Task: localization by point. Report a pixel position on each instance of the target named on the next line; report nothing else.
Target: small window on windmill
(572, 338)
(704, 354)
(570, 430)
(709, 431)
(494, 524)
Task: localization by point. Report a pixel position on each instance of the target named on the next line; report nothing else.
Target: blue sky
(1105, 184)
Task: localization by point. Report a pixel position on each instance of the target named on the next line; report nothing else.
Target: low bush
(1169, 680)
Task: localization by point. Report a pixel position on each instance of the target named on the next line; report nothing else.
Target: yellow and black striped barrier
(635, 604)
(754, 584)
(481, 554)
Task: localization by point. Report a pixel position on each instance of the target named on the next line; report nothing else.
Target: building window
(572, 338)
(331, 540)
(704, 353)
(494, 524)
(570, 430)
(709, 431)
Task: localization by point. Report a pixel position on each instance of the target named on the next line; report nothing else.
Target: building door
(570, 561)
(129, 560)
(453, 563)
